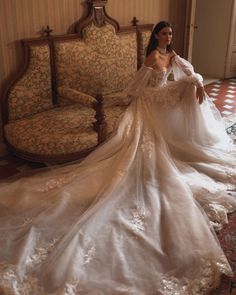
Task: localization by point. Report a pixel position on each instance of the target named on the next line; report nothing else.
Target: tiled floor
(223, 93)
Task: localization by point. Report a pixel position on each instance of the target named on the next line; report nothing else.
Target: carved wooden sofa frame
(67, 96)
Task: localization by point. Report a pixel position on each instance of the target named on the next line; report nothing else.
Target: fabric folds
(137, 216)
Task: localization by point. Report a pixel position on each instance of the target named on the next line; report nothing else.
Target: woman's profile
(137, 216)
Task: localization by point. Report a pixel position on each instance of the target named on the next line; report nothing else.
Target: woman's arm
(139, 82)
(182, 67)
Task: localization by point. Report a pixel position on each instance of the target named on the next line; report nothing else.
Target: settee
(67, 97)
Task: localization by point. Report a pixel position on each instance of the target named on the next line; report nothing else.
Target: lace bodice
(159, 77)
(150, 77)
(147, 77)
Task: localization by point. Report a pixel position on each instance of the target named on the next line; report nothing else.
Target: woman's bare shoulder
(151, 59)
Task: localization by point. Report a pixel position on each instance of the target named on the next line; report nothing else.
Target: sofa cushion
(32, 93)
(116, 99)
(113, 115)
(59, 131)
(101, 63)
(70, 96)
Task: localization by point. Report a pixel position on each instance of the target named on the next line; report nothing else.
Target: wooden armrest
(77, 96)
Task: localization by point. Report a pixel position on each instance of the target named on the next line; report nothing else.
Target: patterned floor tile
(229, 100)
(228, 107)
(227, 113)
(223, 93)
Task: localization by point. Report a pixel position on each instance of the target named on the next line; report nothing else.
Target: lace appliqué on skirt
(208, 279)
(217, 210)
(147, 144)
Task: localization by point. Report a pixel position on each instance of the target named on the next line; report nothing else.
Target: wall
(20, 19)
(211, 36)
(25, 19)
(230, 69)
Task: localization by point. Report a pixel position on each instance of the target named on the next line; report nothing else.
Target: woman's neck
(162, 50)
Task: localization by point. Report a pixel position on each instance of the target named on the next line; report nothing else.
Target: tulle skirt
(137, 216)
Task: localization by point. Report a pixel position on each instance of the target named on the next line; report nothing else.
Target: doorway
(210, 37)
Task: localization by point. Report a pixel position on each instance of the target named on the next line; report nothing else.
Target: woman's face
(164, 37)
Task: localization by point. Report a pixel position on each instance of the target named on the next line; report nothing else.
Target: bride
(138, 215)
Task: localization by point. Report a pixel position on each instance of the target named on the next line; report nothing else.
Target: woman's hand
(200, 94)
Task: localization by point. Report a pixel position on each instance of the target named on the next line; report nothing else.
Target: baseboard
(209, 80)
(3, 149)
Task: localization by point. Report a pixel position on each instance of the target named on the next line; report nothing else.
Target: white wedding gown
(137, 216)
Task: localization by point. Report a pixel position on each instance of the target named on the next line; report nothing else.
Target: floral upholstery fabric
(54, 132)
(113, 115)
(101, 63)
(143, 37)
(116, 99)
(74, 96)
(32, 92)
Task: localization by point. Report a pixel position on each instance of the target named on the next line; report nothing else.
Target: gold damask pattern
(113, 115)
(116, 99)
(73, 96)
(32, 93)
(143, 37)
(92, 66)
(58, 131)
(115, 105)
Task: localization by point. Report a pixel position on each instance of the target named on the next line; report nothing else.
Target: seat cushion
(59, 131)
(116, 99)
(113, 116)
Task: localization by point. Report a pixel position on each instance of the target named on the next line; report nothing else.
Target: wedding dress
(137, 216)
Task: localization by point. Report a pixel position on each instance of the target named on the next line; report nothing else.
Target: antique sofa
(67, 97)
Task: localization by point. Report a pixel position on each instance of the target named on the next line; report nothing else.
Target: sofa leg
(3, 151)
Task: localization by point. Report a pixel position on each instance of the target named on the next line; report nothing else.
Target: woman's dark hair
(153, 42)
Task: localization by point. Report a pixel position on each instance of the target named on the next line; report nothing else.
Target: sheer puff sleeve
(136, 87)
(183, 69)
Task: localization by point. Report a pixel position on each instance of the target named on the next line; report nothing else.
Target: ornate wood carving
(47, 32)
(97, 15)
(134, 21)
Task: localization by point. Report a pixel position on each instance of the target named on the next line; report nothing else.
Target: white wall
(211, 37)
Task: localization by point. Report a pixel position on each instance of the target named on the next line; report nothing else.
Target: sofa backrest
(32, 92)
(143, 35)
(100, 58)
(102, 62)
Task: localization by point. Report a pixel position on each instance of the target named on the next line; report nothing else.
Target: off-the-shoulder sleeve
(181, 68)
(139, 82)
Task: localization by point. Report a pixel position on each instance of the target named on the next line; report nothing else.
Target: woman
(137, 215)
